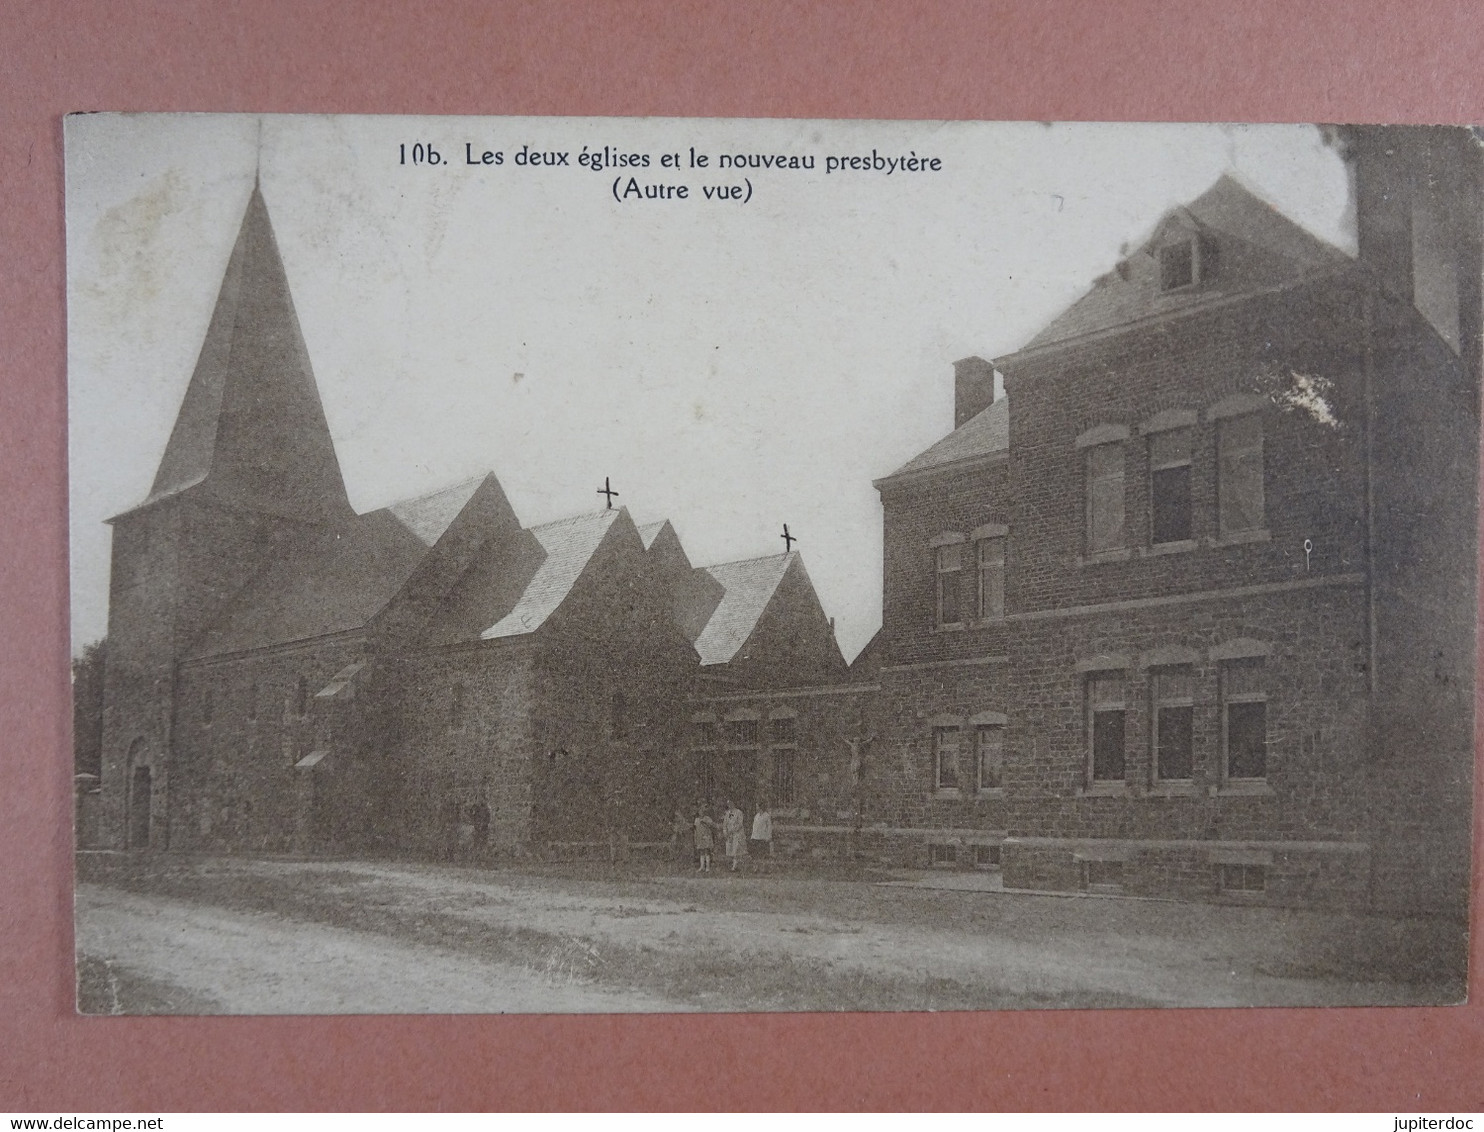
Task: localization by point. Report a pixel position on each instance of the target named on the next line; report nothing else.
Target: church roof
(569, 545)
(251, 430)
(651, 531)
(334, 580)
(748, 587)
(428, 516)
(1258, 247)
(983, 434)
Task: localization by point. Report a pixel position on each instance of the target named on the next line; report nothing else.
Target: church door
(140, 791)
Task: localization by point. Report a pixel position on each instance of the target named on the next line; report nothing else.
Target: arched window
(619, 714)
(456, 709)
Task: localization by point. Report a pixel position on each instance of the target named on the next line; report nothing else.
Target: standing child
(704, 826)
(762, 832)
(736, 843)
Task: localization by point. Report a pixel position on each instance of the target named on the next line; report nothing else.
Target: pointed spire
(251, 428)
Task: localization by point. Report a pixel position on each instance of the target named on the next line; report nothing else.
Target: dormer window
(1184, 263)
(1177, 266)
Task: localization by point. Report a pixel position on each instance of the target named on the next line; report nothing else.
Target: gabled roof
(569, 545)
(335, 579)
(982, 435)
(650, 531)
(428, 516)
(251, 429)
(331, 580)
(747, 588)
(1258, 248)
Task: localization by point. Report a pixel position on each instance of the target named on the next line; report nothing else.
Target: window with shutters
(1244, 723)
(989, 757)
(945, 757)
(1173, 723)
(1239, 475)
(1105, 726)
(950, 569)
(1105, 526)
(1169, 486)
(991, 561)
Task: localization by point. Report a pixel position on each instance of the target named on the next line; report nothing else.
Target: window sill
(955, 627)
(1103, 790)
(1239, 538)
(990, 792)
(1181, 547)
(1243, 788)
(1101, 556)
(1174, 789)
(947, 792)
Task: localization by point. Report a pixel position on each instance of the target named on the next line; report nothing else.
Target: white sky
(731, 367)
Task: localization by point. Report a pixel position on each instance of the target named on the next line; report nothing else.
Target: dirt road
(257, 963)
(316, 936)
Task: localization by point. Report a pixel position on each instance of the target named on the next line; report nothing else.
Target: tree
(87, 708)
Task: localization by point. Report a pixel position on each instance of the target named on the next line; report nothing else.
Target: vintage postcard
(603, 565)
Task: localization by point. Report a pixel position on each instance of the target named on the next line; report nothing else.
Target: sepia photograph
(553, 565)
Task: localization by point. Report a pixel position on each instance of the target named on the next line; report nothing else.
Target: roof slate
(251, 428)
(336, 579)
(983, 434)
(748, 588)
(569, 545)
(428, 516)
(1260, 248)
(332, 581)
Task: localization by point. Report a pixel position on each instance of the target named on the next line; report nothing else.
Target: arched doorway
(141, 791)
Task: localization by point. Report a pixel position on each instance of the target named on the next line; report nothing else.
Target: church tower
(249, 470)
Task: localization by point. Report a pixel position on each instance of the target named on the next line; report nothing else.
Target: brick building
(1188, 610)
(1182, 606)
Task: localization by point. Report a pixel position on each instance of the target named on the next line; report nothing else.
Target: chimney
(1416, 193)
(973, 388)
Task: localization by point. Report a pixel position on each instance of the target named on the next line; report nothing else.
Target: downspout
(1369, 367)
(1368, 377)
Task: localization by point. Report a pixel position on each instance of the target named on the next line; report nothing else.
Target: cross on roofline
(788, 539)
(607, 491)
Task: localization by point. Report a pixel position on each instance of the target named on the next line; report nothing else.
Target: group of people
(694, 839)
